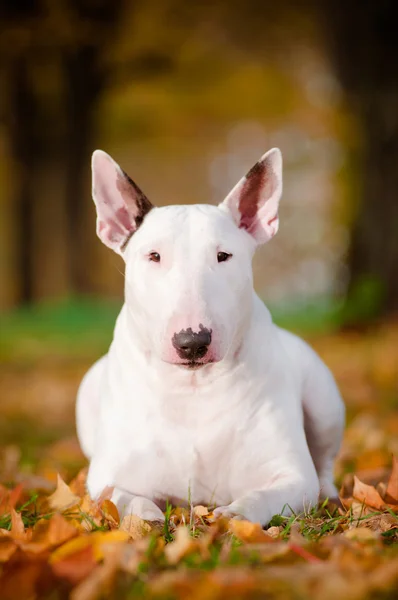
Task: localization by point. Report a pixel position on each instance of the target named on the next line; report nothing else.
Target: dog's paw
(145, 509)
(229, 512)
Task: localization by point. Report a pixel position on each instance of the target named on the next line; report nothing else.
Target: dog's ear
(121, 205)
(253, 203)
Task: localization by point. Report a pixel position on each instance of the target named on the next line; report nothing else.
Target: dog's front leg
(285, 495)
(128, 504)
(100, 478)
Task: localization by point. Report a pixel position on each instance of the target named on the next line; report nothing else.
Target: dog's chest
(181, 450)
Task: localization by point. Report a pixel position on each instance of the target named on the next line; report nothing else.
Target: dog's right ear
(121, 205)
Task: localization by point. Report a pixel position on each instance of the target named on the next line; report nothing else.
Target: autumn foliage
(55, 542)
(67, 544)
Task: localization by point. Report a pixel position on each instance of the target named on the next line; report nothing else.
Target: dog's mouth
(194, 364)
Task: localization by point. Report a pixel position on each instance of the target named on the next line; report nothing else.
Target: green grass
(82, 327)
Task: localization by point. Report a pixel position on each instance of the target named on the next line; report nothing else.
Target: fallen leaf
(63, 498)
(367, 494)
(77, 565)
(49, 533)
(274, 531)
(200, 511)
(18, 528)
(96, 540)
(135, 527)
(110, 513)
(9, 498)
(90, 512)
(78, 484)
(361, 534)
(7, 548)
(250, 533)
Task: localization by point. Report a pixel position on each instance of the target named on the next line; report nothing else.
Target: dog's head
(188, 274)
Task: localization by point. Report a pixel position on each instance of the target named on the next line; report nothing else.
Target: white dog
(201, 399)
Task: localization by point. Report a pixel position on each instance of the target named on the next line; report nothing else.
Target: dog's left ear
(121, 205)
(254, 201)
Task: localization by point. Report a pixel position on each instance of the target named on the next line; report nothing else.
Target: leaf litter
(56, 542)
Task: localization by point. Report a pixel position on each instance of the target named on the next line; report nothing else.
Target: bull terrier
(201, 398)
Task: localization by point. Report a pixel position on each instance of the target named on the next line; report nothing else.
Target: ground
(56, 543)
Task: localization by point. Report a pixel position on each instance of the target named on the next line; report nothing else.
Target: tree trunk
(84, 82)
(363, 45)
(22, 112)
(38, 173)
(373, 256)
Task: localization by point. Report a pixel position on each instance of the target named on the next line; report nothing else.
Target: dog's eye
(223, 256)
(154, 257)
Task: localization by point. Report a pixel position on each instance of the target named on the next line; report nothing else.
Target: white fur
(255, 431)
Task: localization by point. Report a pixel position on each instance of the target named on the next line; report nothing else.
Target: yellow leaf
(135, 527)
(200, 511)
(96, 540)
(63, 498)
(251, 533)
(361, 534)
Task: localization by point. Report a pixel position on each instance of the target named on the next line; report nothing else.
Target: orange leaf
(77, 566)
(110, 512)
(367, 494)
(17, 527)
(391, 495)
(63, 498)
(49, 534)
(15, 495)
(78, 484)
(95, 540)
(251, 533)
(7, 548)
(9, 498)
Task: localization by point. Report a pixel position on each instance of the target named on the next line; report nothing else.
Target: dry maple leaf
(63, 498)
(367, 494)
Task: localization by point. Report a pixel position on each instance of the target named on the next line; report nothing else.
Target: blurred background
(186, 97)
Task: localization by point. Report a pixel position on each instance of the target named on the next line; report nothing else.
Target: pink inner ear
(259, 185)
(122, 216)
(121, 205)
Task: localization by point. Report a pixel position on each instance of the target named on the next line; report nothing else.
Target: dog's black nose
(190, 344)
